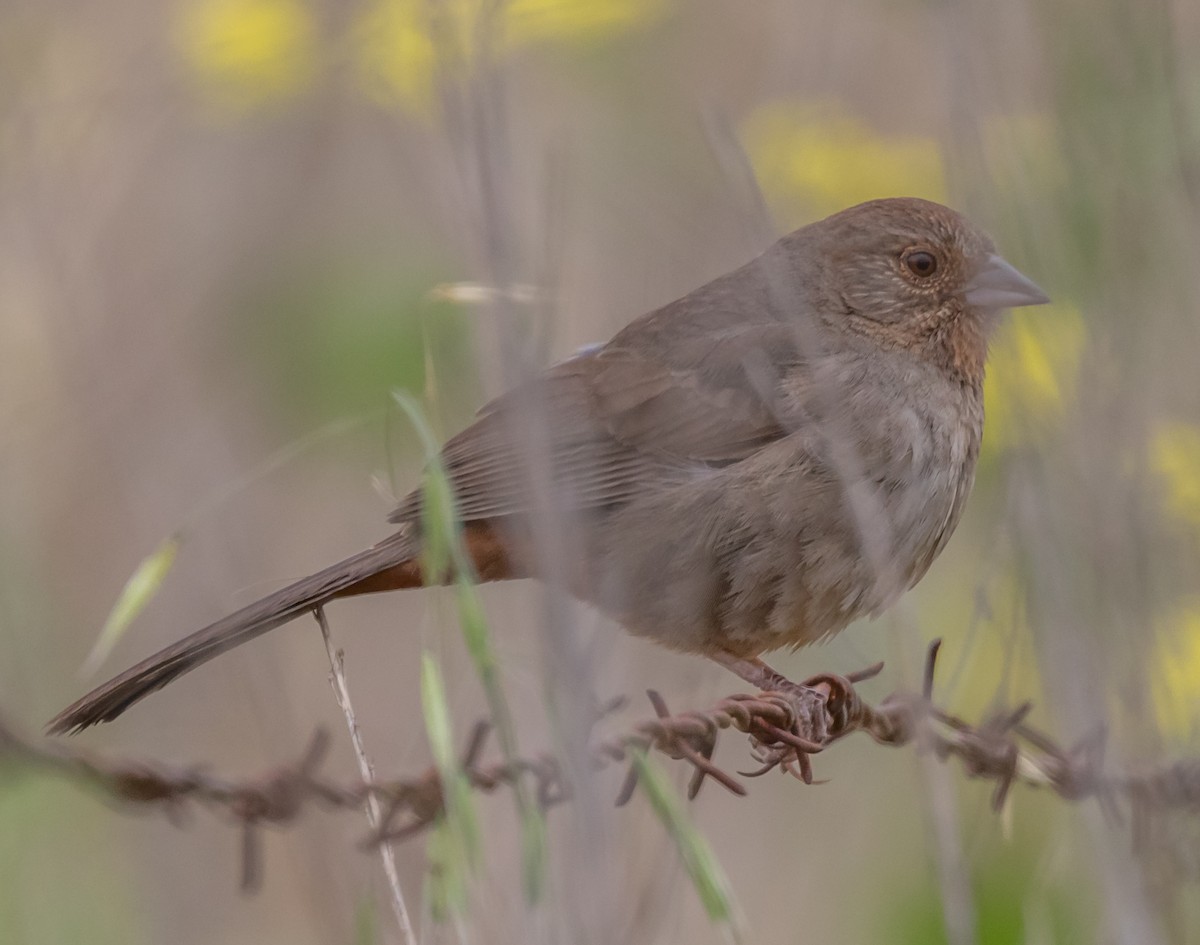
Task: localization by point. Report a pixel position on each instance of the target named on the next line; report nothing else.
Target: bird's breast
(929, 477)
(916, 469)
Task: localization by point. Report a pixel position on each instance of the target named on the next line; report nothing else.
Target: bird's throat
(961, 347)
(952, 339)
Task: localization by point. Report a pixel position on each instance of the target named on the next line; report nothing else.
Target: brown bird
(753, 466)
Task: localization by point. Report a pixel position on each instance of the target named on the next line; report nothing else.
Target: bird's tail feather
(395, 555)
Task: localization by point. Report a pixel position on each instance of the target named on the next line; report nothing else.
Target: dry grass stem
(337, 680)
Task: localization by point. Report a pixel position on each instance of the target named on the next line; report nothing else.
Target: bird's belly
(853, 557)
(750, 561)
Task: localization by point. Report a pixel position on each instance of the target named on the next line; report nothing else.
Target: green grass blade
(441, 536)
(366, 924)
(699, 861)
(453, 850)
(138, 591)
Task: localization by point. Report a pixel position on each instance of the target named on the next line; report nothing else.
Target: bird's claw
(806, 732)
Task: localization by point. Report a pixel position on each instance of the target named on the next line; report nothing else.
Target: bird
(753, 466)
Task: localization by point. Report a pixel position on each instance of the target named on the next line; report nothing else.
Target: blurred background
(229, 229)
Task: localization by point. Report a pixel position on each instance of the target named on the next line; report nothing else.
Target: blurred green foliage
(1021, 882)
(366, 923)
(337, 338)
(61, 875)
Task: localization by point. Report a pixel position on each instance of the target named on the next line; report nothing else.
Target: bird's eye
(921, 263)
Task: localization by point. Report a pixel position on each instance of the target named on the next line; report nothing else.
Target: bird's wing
(695, 383)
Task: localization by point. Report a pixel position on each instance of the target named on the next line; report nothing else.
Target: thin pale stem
(341, 692)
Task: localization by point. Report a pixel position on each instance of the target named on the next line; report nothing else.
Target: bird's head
(914, 274)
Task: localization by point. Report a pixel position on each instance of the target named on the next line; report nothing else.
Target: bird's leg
(755, 672)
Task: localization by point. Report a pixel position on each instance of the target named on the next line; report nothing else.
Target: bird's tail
(391, 564)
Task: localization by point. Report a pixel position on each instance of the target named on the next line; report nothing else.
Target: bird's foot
(804, 730)
(820, 710)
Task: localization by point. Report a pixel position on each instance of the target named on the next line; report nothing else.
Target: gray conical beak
(998, 285)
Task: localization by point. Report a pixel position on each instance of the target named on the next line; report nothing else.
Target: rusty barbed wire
(785, 728)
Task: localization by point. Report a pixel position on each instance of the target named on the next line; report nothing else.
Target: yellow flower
(1175, 456)
(813, 160)
(531, 21)
(248, 52)
(398, 55)
(1177, 686)
(1032, 368)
